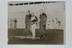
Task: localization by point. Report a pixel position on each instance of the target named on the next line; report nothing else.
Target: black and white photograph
(37, 22)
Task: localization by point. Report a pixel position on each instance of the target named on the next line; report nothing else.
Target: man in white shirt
(33, 25)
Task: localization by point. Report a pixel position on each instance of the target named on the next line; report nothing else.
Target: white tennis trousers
(33, 27)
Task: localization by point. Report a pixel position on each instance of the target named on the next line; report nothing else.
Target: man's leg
(33, 31)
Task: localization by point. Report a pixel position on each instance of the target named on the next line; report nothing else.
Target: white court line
(24, 37)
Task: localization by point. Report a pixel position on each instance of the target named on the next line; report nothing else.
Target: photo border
(4, 27)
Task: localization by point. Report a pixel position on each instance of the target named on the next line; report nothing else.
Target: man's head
(29, 11)
(33, 14)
